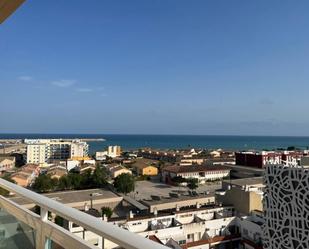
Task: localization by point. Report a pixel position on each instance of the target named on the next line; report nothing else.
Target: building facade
(42, 151)
(262, 158)
(200, 172)
(6, 163)
(286, 207)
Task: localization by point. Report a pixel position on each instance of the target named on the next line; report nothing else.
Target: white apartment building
(79, 149)
(42, 151)
(182, 226)
(114, 151)
(37, 153)
(198, 228)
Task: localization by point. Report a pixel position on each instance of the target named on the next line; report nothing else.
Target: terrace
(22, 228)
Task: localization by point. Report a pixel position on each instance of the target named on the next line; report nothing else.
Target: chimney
(86, 207)
(198, 205)
(131, 215)
(155, 212)
(177, 208)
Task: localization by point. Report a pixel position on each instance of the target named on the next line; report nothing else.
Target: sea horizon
(165, 141)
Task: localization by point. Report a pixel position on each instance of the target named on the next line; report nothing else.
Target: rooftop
(142, 163)
(74, 196)
(193, 168)
(246, 181)
(180, 198)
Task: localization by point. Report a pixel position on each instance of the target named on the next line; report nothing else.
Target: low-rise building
(200, 172)
(190, 161)
(175, 201)
(245, 195)
(57, 171)
(116, 170)
(145, 167)
(26, 175)
(85, 167)
(6, 163)
(72, 164)
(100, 155)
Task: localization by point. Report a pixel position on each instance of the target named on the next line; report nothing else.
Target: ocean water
(179, 141)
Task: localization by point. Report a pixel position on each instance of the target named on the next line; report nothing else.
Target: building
(166, 156)
(262, 158)
(26, 175)
(145, 167)
(286, 207)
(190, 161)
(114, 151)
(57, 171)
(43, 151)
(200, 172)
(6, 163)
(79, 149)
(178, 201)
(79, 198)
(100, 155)
(37, 153)
(257, 159)
(246, 195)
(117, 169)
(86, 166)
(251, 230)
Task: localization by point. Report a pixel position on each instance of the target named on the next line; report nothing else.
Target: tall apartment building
(41, 151)
(286, 207)
(114, 151)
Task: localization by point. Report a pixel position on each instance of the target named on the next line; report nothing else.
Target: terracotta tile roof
(155, 239)
(143, 163)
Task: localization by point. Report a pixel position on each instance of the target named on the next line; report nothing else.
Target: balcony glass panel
(15, 234)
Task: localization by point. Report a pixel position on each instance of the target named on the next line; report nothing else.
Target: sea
(131, 142)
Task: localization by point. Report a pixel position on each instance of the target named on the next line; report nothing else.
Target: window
(182, 242)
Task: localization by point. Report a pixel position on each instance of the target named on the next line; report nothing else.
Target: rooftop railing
(46, 230)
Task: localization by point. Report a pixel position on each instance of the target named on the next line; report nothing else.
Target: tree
(178, 180)
(192, 183)
(124, 183)
(106, 211)
(99, 177)
(43, 183)
(86, 179)
(64, 183)
(75, 180)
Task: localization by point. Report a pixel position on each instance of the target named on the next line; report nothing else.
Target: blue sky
(156, 67)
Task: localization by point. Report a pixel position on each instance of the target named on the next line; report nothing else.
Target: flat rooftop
(74, 196)
(180, 198)
(246, 181)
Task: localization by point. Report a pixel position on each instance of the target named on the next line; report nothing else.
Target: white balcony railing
(46, 230)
